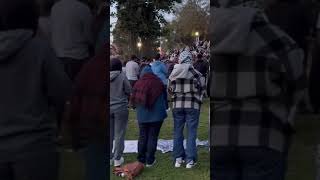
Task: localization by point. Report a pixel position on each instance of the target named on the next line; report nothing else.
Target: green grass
(72, 166)
(164, 169)
(301, 159)
(302, 154)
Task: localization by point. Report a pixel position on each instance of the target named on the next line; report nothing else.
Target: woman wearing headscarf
(148, 98)
(120, 90)
(187, 88)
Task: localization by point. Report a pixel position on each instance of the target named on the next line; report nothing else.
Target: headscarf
(185, 57)
(147, 89)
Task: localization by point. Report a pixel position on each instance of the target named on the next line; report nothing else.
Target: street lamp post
(139, 44)
(197, 36)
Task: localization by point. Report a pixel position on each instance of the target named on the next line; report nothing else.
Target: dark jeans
(148, 139)
(36, 166)
(132, 82)
(97, 161)
(247, 164)
(73, 66)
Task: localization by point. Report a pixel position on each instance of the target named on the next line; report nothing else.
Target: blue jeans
(190, 118)
(247, 163)
(97, 161)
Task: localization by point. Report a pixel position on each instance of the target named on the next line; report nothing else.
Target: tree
(193, 16)
(140, 20)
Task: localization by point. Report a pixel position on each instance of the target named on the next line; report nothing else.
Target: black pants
(38, 166)
(247, 163)
(132, 82)
(73, 66)
(148, 139)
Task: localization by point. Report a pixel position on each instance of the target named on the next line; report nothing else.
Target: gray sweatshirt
(120, 90)
(32, 80)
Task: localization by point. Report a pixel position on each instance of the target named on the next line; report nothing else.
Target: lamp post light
(139, 44)
(197, 34)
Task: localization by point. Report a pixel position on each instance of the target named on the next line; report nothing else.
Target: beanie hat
(115, 65)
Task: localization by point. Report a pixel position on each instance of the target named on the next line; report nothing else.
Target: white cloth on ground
(165, 146)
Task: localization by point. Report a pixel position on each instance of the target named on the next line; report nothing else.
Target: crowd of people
(147, 86)
(263, 70)
(53, 69)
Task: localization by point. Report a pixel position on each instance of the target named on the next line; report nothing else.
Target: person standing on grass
(187, 88)
(120, 90)
(32, 81)
(160, 69)
(257, 83)
(87, 120)
(201, 65)
(148, 98)
(132, 70)
(72, 34)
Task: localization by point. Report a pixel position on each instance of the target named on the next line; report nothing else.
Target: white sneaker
(179, 162)
(118, 162)
(190, 165)
(150, 165)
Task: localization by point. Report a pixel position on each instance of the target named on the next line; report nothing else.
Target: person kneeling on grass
(148, 98)
(187, 88)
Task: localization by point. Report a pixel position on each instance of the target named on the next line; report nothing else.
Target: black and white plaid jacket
(253, 94)
(188, 92)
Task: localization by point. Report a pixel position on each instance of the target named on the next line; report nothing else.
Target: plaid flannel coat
(188, 92)
(253, 94)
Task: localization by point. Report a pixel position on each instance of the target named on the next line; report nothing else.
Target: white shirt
(71, 22)
(132, 70)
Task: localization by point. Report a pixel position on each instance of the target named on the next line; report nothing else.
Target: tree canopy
(140, 20)
(191, 17)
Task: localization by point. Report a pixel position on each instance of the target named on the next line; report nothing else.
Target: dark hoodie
(31, 80)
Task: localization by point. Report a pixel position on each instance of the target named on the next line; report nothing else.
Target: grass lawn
(164, 169)
(72, 166)
(301, 158)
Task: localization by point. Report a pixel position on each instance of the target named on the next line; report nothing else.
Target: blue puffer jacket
(160, 69)
(157, 113)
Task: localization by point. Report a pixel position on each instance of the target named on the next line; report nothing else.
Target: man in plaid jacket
(256, 83)
(187, 88)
